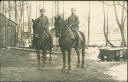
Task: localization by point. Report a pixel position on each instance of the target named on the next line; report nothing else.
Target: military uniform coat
(43, 22)
(73, 22)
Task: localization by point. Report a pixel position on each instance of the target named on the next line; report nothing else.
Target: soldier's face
(73, 11)
(42, 13)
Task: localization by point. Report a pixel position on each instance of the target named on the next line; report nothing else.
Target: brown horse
(41, 41)
(67, 41)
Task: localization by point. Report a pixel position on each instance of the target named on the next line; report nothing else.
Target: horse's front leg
(50, 55)
(43, 57)
(83, 54)
(64, 59)
(78, 54)
(69, 59)
(38, 57)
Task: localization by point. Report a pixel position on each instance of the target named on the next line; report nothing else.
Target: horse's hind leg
(38, 57)
(83, 54)
(69, 60)
(78, 54)
(50, 56)
(43, 57)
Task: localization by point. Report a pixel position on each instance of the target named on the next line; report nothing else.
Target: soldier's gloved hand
(70, 25)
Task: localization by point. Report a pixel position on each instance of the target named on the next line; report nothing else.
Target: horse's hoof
(78, 65)
(43, 66)
(63, 70)
(69, 71)
(44, 69)
(50, 62)
(38, 68)
(38, 65)
(82, 66)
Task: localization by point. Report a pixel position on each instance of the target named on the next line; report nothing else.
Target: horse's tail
(83, 39)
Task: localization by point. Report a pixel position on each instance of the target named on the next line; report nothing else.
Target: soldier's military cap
(73, 9)
(42, 10)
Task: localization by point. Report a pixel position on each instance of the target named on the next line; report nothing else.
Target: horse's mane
(62, 25)
(37, 29)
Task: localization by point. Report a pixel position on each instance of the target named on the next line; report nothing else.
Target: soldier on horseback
(73, 23)
(43, 23)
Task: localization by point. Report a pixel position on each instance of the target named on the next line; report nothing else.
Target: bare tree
(117, 4)
(9, 9)
(0, 7)
(29, 16)
(121, 23)
(104, 28)
(88, 26)
(20, 22)
(3, 8)
(123, 18)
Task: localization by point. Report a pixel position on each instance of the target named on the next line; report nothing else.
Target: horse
(67, 41)
(41, 41)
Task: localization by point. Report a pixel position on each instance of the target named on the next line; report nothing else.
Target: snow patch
(118, 72)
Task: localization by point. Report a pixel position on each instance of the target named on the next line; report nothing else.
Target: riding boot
(78, 40)
(79, 44)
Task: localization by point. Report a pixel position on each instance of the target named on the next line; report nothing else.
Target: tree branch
(122, 14)
(124, 19)
(122, 5)
(116, 4)
(105, 35)
(116, 15)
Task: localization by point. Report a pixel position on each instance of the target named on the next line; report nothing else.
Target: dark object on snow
(111, 54)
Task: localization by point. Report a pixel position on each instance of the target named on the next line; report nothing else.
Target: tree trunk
(9, 9)
(104, 27)
(121, 25)
(88, 26)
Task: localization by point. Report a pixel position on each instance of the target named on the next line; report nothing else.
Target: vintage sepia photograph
(63, 41)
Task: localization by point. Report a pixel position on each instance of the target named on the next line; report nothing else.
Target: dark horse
(41, 41)
(67, 41)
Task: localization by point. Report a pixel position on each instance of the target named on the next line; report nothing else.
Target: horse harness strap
(69, 30)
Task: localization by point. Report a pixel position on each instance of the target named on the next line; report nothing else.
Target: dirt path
(19, 65)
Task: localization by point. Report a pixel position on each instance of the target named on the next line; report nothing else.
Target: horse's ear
(54, 17)
(32, 20)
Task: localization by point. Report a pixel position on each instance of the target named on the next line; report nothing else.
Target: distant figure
(43, 22)
(73, 23)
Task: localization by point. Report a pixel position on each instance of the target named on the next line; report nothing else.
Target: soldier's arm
(68, 21)
(47, 23)
(77, 20)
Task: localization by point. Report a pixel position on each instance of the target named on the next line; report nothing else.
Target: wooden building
(7, 32)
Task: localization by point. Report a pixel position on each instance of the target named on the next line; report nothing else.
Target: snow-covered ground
(118, 72)
(20, 65)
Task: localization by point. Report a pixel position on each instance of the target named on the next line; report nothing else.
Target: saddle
(75, 35)
(78, 38)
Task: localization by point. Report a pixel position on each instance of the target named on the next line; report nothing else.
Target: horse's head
(35, 28)
(38, 32)
(59, 25)
(35, 25)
